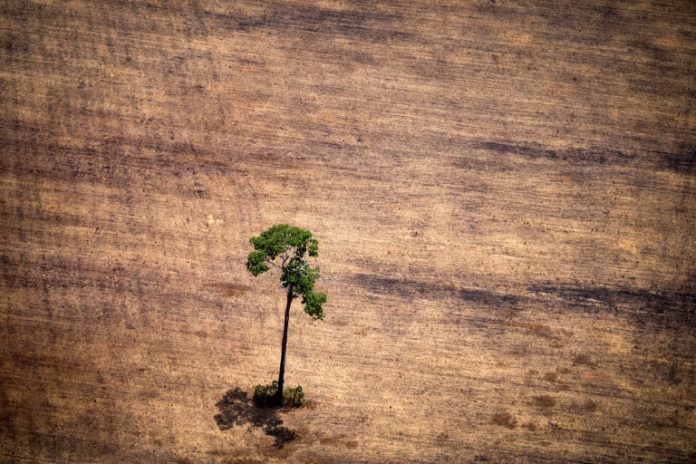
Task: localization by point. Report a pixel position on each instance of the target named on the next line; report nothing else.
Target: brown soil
(504, 195)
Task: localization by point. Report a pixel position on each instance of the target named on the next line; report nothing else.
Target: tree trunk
(281, 374)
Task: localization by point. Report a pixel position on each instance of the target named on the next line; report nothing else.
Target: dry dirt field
(504, 194)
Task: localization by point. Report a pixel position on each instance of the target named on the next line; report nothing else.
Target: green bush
(293, 397)
(264, 396)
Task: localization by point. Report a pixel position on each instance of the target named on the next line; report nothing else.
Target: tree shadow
(236, 408)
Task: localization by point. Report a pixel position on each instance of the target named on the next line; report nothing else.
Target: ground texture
(505, 199)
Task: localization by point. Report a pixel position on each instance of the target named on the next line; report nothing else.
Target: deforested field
(504, 194)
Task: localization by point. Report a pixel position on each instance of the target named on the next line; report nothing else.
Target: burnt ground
(504, 194)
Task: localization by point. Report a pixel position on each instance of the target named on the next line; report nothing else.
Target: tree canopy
(286, 247)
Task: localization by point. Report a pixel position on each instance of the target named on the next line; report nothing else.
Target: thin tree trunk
(281, 374)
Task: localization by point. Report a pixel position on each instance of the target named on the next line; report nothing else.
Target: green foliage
(313, 302)
(281, 237)
(264, 396)
(289, 245)
(256, 263)
(293, 397)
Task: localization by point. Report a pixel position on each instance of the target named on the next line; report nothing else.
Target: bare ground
(504, 195)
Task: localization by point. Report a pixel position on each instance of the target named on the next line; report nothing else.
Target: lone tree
(285, 247)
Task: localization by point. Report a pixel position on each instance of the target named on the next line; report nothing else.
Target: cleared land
(504, 195)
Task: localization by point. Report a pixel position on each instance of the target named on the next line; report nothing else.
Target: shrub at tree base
(265, 396)
(293, 397)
